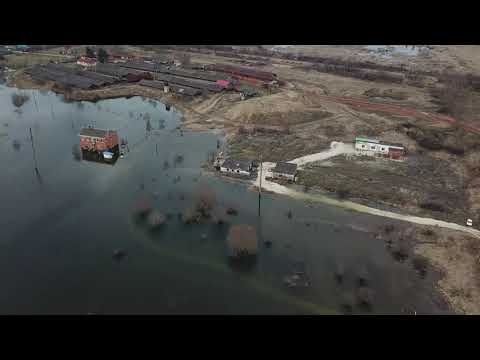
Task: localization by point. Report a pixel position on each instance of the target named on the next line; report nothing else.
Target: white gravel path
(338, 149)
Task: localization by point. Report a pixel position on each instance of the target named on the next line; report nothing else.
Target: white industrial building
(373, 147)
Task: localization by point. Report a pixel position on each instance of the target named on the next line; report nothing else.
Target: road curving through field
(336, 149)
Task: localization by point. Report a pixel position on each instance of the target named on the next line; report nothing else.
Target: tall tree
(89, 52)
(102, 55)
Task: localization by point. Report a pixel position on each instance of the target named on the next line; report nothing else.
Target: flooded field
(388, 51)
(64, 217)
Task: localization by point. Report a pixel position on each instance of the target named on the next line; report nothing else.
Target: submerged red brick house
(98, 140)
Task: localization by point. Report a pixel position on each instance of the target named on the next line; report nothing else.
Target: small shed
(285, 170)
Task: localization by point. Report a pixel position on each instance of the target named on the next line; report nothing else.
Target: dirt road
(395, 109)
(338, 149)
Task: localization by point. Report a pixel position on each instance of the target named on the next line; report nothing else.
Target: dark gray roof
(184, 90)
(237, 164)
(247, 90)
(193, 83)
(391, 144)
(93, 132)
(285, 168)
(61, 77)
(98, 78)
(262, 75)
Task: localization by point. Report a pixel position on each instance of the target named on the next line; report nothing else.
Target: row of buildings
(282, 170)
(288, 171)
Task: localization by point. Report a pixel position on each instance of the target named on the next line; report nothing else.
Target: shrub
(389, 228)
(400, 252)
(420, 264)
(433, 206)
(19, 99)
(343, 192)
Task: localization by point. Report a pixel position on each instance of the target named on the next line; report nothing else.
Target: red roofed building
(98, 140)
(224, 83)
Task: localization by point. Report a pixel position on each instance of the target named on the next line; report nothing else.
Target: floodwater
(63, 217)
(389, 50)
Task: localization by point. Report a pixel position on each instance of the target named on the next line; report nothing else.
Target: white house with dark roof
(240, 167)
(373, 147)
(284, 170)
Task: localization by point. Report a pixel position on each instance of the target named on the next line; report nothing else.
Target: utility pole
(37, 172)
(35, 100)
(260, 185)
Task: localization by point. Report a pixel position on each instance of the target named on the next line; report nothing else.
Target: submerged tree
(205, 200)
(365, 296)
(19, 99)
(16, 145)
(178, 159)
(242, 240)
(102, 55)
(76, 152)
(89, 52)
(166, 165)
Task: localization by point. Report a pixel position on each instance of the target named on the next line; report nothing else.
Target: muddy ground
(422, 185)
(453, 258)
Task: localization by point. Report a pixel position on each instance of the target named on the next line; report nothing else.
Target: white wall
(371, 149)
(234, 171)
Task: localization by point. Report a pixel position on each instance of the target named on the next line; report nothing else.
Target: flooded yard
(63, 217)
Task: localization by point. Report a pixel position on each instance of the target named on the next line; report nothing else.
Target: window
(382, 148)
(363, 146)
(372, 147)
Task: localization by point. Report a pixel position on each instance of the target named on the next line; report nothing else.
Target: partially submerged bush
(389, 228)
(363, 276)
(420, 264)
(400, 251)
(347, 302)
(19, 99)
(16, 145)
(242, 240)
(432, 205)
(365, 296)
(205, 200)
(428, 232)
(343, 192)
(339, 272)
(76, 152)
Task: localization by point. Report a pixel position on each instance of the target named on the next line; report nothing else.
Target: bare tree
(205, 200)
(242, 240)
(16, 145)
(19, 99)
